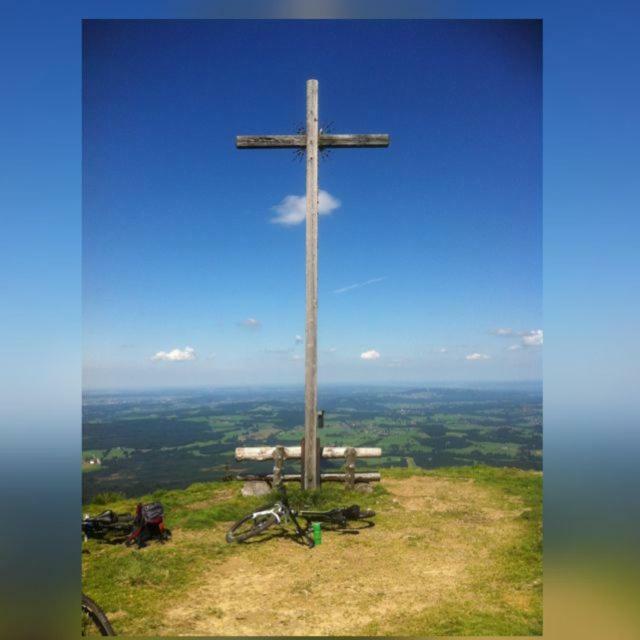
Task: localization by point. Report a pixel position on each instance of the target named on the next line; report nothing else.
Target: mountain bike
(281, 513)
(108, 524)
(94, 620)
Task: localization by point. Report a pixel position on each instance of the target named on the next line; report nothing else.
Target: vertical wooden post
(310, 480)
(318, 463)
(278, 463)
(302, 459)
(350, 468)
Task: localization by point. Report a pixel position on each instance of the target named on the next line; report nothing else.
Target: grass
(133, 584)
(501, 595)
(511, 578)
(204, 504)
(107, 497)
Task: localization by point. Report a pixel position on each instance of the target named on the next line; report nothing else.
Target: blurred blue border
(591, 195)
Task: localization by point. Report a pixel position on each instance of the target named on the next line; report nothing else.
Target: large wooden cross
(312, 141)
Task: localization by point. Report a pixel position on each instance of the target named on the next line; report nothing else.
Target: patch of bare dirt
(420, 555)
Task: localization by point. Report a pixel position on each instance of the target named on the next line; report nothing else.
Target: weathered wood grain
(311, 479)
(277, 141)
(271, 141)
(361, 452)
(354, 140)
(279, 457)
(350, 468)
(267, 453)
(326, 477)
(372, 476)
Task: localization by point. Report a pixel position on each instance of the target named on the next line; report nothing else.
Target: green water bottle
(317, 533)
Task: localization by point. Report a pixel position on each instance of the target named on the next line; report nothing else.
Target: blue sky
(442, 230)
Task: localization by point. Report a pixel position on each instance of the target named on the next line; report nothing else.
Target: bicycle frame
(282, 510)
(281, 513)
(333, 516)
(277, 511)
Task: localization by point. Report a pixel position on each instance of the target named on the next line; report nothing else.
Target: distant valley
(136, 443)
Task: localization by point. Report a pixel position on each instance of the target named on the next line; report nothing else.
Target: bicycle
(281, 512)
(94, 620)
(107, 524)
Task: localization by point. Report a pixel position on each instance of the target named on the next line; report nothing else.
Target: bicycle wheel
(94, 620)
(250, 526)
(366, 513)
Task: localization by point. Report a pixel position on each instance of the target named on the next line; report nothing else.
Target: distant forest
(158, 440)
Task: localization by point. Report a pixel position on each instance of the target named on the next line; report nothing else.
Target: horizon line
(260, 385)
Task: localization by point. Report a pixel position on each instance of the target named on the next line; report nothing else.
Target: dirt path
(420, 555)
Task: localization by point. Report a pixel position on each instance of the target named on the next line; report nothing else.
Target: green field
(161, 441)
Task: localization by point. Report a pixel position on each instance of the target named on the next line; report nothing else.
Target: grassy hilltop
(455, 551)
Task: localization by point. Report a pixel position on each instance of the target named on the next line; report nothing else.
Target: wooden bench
(281, 453)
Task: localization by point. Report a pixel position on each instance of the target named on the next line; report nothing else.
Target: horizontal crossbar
(326, 477)
(270, 142)
(267, 453)
(354, 140)
(324, 140)
(361, 452)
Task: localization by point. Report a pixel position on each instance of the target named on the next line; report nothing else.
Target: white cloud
(176, 355)
(296, 357)
(298, 339)
(293, 209)
(250, 323)
(443, 350)
(372, 354)
(477, 356)
(532, 338)
(359, 284)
